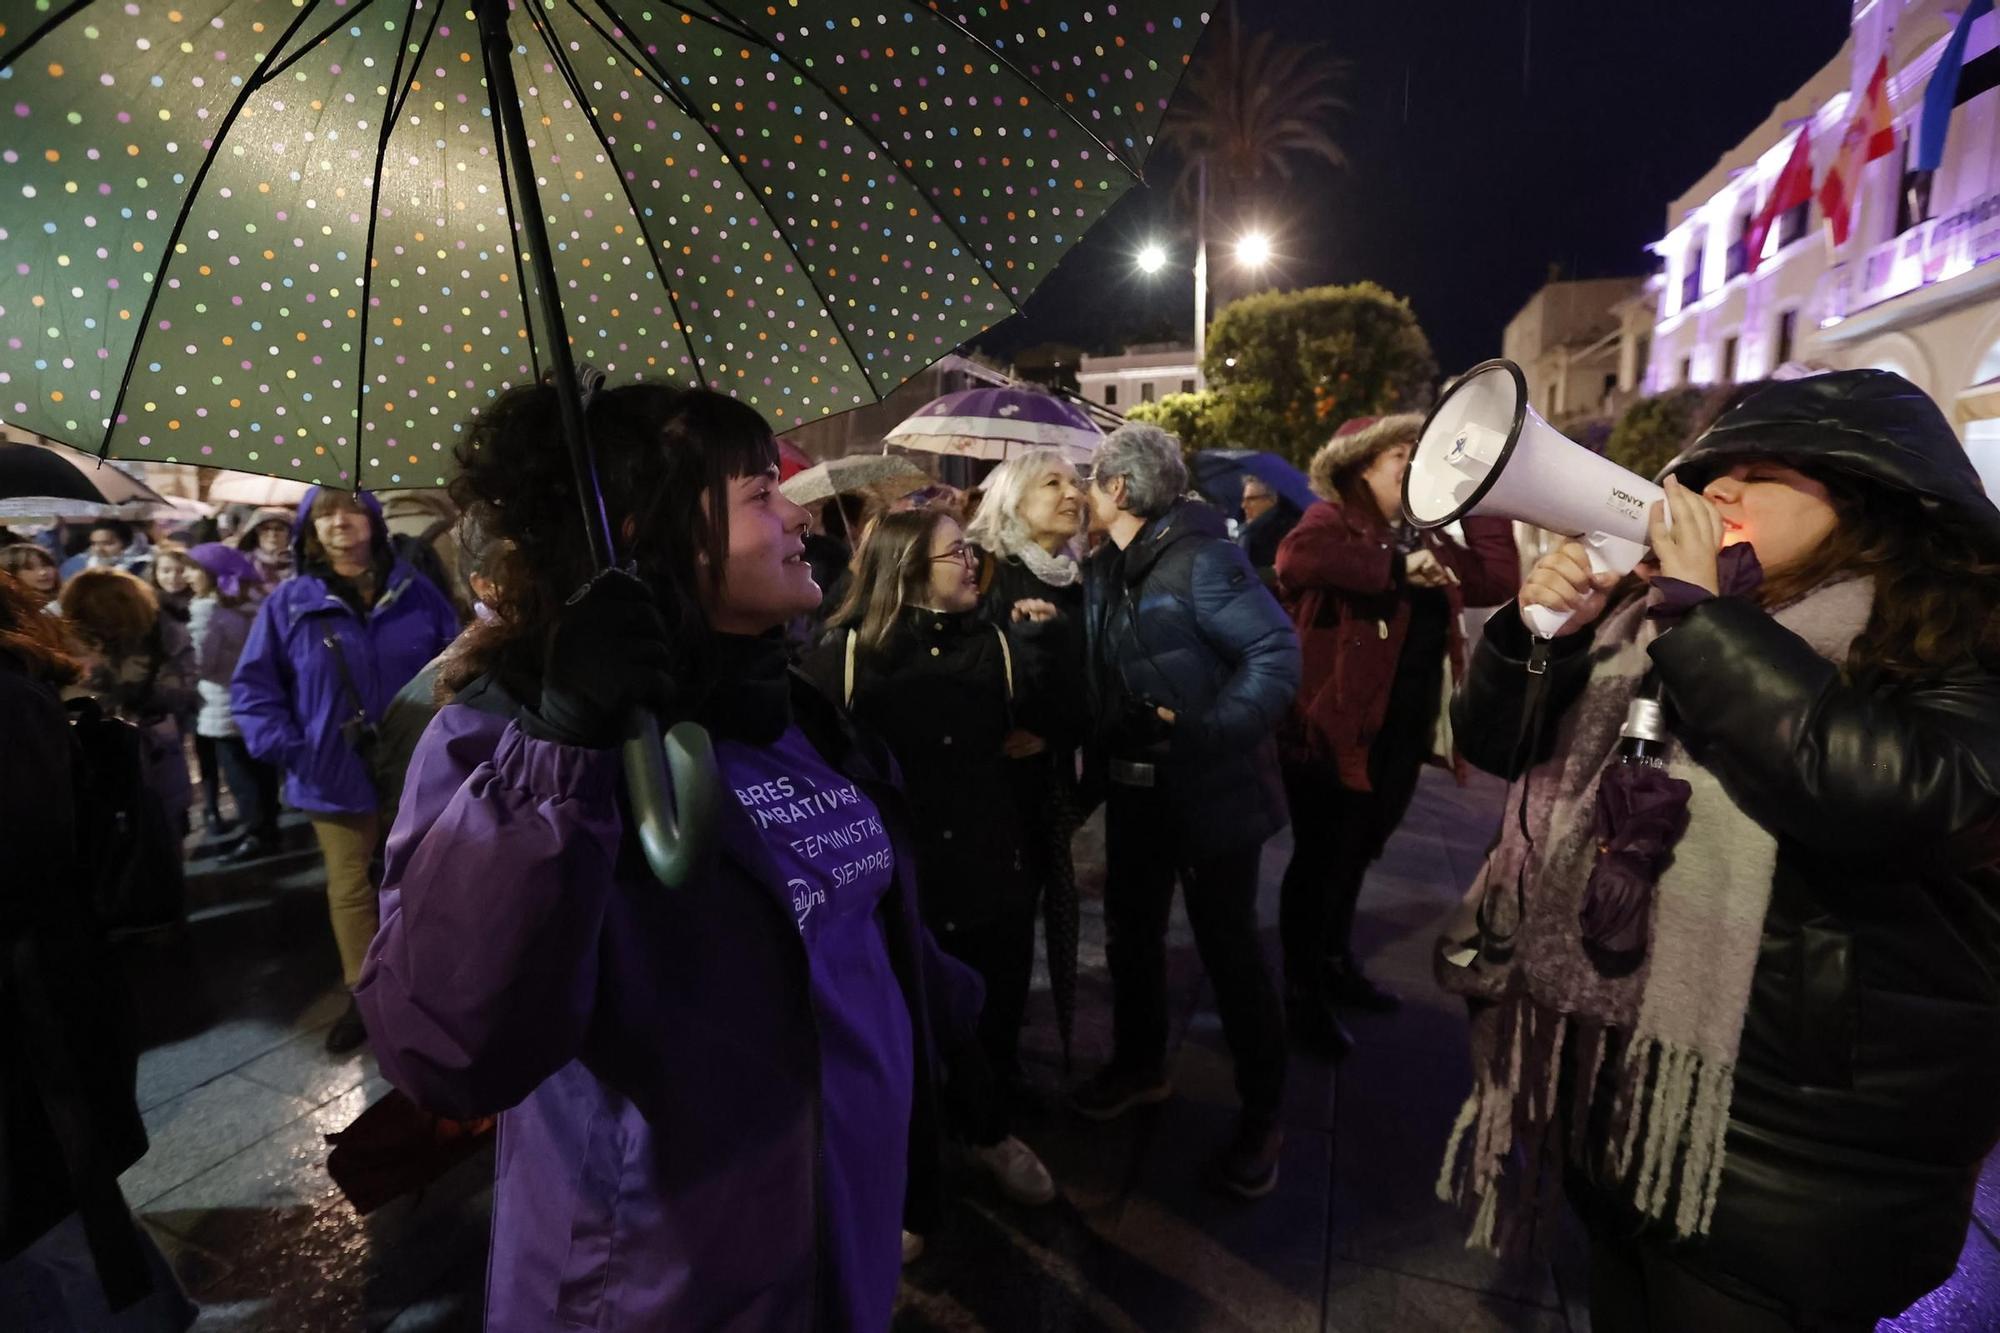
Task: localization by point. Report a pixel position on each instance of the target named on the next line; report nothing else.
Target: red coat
(1342, 581)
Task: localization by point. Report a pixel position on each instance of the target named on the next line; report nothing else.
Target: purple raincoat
(655, 1052)
(287, 691)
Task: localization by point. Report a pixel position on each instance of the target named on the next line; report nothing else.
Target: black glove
(607, 656)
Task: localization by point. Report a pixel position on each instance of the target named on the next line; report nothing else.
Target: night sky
(1486, 142)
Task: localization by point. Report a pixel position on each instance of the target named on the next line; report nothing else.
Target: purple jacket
(288, 694)
(654, 1051)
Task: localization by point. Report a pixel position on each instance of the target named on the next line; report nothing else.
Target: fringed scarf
(1645, 1061)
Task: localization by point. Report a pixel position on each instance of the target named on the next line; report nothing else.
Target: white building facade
(1913, 292)
(1141, 374)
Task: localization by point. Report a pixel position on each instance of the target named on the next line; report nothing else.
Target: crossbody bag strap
(1006, 661)
(847, 687)
(333, 645)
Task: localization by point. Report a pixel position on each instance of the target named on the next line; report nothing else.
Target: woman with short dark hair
(717, 1103)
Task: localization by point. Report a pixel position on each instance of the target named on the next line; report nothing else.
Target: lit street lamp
(1252, 251)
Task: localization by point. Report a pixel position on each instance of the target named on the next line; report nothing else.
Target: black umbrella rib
(1021, 74)
(42, 30)
(653, 253)
(159, 283)
(392, 108)
(493, 116)
(888, 153)
(693, 113)
(306, 48)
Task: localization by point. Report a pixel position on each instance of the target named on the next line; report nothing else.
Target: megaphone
(1484, 450)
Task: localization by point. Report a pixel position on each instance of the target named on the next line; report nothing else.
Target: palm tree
(1252, 105)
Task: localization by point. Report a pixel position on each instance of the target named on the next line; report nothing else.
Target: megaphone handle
(1546, 621)
(675, 819)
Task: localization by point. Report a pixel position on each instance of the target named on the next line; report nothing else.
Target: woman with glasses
(920, 667)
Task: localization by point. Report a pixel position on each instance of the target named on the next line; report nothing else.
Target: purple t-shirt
(828, 840)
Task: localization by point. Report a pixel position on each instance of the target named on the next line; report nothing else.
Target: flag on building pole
(1870, 134)
(1942, 94)
(1794, 187)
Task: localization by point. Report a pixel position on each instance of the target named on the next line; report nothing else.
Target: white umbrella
(883, 475)
(999, 423)
(249, 489)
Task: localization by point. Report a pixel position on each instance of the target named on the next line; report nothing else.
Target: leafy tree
(1289, 367)
(1197, 418)
(1653, 430)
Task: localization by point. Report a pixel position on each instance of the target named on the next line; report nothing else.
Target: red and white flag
(1870, 134)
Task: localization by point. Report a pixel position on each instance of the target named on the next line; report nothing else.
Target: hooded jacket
(289, 694)
(1180, 620)
(1865, 1096)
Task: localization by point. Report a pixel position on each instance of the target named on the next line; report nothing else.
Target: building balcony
(1928, 258)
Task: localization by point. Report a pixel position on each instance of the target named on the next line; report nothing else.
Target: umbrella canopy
(884, 476)
(998, 423)
(47, 481)
(792, 460)
(248, 488)
(277, 235)
(1218, 474)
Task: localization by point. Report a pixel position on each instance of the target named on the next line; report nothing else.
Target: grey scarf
(1653, 1053)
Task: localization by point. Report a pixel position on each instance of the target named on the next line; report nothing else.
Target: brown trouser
(348, 844)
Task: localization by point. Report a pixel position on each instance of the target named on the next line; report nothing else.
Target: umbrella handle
(676, 819)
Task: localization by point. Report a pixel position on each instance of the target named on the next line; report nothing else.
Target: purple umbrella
(999, 423)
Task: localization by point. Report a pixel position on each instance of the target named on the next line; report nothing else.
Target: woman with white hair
(1027, 530)
(1193, 664)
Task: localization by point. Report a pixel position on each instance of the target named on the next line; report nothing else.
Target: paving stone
(1361, 1299)
(193, 1132)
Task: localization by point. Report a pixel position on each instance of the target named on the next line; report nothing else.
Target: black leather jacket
(1867, 1089)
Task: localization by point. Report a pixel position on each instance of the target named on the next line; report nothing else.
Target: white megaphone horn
(1484, 450)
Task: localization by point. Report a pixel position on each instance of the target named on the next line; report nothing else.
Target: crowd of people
(1766, 1086)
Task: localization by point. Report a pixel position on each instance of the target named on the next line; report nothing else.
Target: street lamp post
(1200, 272)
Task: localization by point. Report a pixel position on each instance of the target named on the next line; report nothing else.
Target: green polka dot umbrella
(285, 236)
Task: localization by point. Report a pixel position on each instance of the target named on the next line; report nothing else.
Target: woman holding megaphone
(1736, 976)
(716, 1099)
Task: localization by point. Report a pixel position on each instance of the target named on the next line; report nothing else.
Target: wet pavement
(238, 1093)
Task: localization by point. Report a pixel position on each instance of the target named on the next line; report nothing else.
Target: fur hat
(1355, 445)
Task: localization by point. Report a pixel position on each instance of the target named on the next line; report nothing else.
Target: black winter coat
(1059, 714)
(937, 694)
(1867, 1090)
(69, 1118)
(1179, 619)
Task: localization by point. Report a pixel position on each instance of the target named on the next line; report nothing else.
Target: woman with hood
(716, 1101)
(1377, 605)
(1737, 976)
(328, 650)
(267, 538)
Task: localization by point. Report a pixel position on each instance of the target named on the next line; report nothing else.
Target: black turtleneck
(750, 699)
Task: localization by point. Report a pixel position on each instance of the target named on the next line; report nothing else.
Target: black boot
(347, 1032)
(1315, 1029)
(1348, 988)
(1248, 1165)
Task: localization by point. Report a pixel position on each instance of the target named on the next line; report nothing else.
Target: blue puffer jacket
(1180, 619)
(288, 694)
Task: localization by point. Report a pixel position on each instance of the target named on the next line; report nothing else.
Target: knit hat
(1355, 445)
